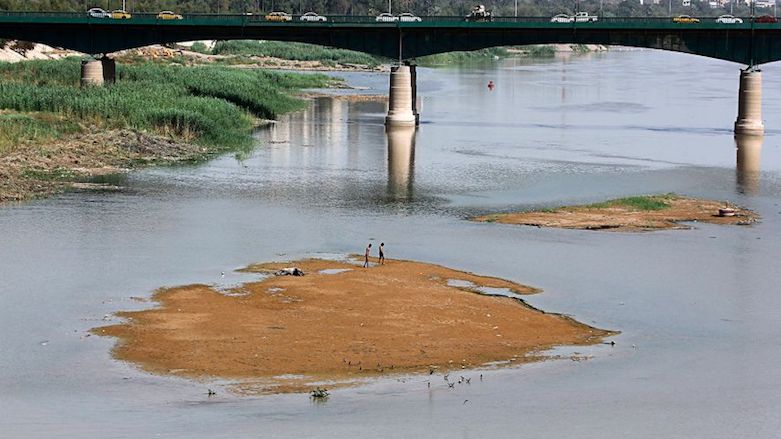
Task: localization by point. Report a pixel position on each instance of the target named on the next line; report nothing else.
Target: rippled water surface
(698, 310)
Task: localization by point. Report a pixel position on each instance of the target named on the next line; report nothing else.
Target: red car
(766, 19)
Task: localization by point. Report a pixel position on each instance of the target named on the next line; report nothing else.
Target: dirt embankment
(347, 322)
(31, 171)
(630, 214)
(189, 57)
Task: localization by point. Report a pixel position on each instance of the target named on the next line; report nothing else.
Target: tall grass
(642, 202)
(18, 129)
(463, 57)
(214, 105)
(294, 51)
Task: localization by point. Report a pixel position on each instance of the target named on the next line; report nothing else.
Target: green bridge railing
(244, 19)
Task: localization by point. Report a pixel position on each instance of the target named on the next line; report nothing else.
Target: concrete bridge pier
(91, 72)
(400, 99)
(749, 121)
(98, 71)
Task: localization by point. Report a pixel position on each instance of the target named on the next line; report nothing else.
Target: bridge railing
(250, 18)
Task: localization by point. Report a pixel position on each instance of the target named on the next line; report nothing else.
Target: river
(699, 310)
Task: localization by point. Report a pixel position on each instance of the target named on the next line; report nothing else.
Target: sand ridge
(349, 323)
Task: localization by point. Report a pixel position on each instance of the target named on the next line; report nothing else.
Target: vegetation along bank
(53, 133)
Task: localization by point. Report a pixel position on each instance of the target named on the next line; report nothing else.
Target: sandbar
(631, 214)
(340, 322)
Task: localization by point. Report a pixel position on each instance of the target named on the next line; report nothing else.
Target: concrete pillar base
(400, 98)
(749, 119)
(91, 73)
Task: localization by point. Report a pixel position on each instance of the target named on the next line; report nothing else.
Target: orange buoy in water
(491, 85)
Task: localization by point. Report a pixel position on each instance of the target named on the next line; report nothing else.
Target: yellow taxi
(168, 15)
(119, 14)
(278, 16)
(685, 19)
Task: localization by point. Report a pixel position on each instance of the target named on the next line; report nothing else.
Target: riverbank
(340, 322)
(641, 213)
(55, 134)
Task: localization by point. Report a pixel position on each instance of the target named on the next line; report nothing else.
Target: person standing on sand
(366, 256)
(382, 254)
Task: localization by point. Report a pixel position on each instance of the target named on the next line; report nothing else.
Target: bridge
(750, 43)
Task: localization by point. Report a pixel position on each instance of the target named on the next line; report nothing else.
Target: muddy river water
(699, 311)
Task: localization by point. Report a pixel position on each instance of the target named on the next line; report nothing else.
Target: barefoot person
(366, 256)
(382, 254)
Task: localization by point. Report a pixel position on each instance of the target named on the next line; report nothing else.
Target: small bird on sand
(211, 392)
(465, 401)
(451, 385)
(222, 274)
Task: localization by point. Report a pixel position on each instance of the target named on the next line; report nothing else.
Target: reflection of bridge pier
(748, 163)
(401, 161)
(749, 119)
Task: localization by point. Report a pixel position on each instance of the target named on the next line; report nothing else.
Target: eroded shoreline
(341, 324)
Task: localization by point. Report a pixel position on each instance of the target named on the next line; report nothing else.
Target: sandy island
(340, 324)
(640, 213)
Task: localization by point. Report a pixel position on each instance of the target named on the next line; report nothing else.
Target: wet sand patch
(399, 317)
(641, 213)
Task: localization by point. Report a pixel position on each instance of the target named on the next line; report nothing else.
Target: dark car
(765, 19)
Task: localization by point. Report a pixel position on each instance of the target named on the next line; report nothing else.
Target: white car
(729, 19)
(386, 17)
(408, 17)
(584, 17)
(311, 16)
(98, 13)
(562, 18)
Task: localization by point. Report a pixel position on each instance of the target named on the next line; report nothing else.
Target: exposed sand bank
(32, 171)
(292, 331)
(619, 215)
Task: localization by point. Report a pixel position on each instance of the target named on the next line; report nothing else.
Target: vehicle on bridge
(409, 17)
(311, 16)
(729, 19)
(386, 17)
(765, 19)
(584, 17)
(278, 16)
(479, 13)
(685, 19)
(98, 13)
(119, 14)
(168, 15)
(562, 18)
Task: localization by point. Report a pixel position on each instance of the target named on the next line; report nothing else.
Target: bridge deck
(748, 42)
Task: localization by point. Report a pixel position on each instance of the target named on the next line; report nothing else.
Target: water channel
(699, 310)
